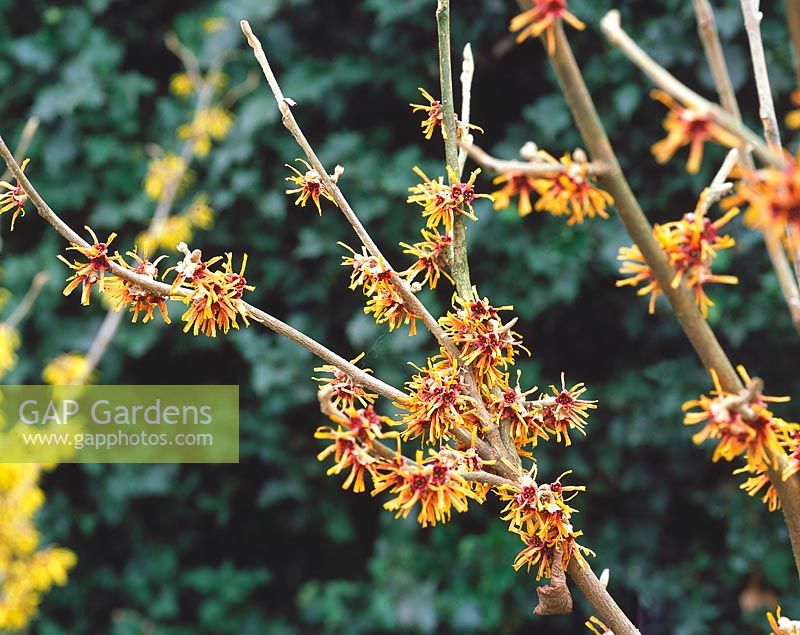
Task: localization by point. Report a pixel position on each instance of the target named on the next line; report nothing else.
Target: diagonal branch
(28, 300)
(284, 105)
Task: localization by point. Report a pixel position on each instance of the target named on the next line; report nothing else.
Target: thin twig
(205, 93)
(719, 186)
(530, 168)
(709, 36)
(27, 302)
(25, 138)
(467, 74)
(752, 23)
(186, 56)
(669, 83)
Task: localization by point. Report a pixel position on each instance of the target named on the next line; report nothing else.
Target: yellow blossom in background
(26, 571)
(68, 369)
(211, 124)
(9, 343)
(793, 117)
(180, 84)
(212, 25)
(163, 171)
(179, 228)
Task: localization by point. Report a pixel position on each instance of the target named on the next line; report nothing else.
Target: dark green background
(272, 546)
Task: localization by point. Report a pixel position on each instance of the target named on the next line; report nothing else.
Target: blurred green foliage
(271, 546)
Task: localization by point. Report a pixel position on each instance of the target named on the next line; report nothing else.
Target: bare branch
(709, 36)
(25, 138)
(752, 23)
(467, 73)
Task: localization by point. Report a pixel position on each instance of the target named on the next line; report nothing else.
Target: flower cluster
(123, 293)
(310, 185)
(548, 416)
(9, 344)
(572, 192)
(374, 278)
(27, 570)
(688, 126)
(213, 296)
(568, 191)
(433, 256)
(93, 270)
(208, 125)
(690, 244)
(441, 202)
(743, 425)
(352, 438)
(15, 197)
(343, 390)
(515, 185)
(433, 482)
(435, 118)
(68, 369)
(486, 345)
(542, 18)
(437, 402)
(541, 515)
